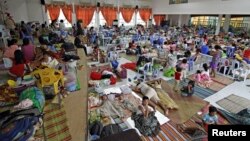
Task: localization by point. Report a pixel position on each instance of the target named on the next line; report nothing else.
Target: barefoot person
(146, 90)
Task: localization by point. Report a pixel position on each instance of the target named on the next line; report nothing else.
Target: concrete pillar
(180, 21)
(166, 17)
(45, 15)
(218, 25)
(97, 18)
(118, 12)
(74, 20)
(136, 11)
(227, 23)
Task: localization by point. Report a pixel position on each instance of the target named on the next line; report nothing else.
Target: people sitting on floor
(10, 50)
(189, 89)
(19, 66)
(28, 50)
(145, 120)
(210, 118)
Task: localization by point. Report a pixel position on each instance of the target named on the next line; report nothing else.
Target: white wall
(18, 10)
(31, 10)
(35, 11)
(202, 7)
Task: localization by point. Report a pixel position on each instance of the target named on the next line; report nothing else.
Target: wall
(35, 11)
(18, 10)
(175, 21)
(31, 10)
(113, 2)
(202, 7)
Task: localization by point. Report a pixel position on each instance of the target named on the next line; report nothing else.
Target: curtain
(54, 11)
(109, 14)
(145, 14)
(127, 14)
(85, 14)
(159, 18)
(67, 11)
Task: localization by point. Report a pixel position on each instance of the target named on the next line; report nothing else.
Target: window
(139, 20)
(177, 1)
(121, 20)
(204, 20)
(93, 21)
(102, 20)
(132, 22)
(61, 17)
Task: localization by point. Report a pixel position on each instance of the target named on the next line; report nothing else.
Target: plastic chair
(224, 63)
(235, 65)
(230, 51)
(146, 69)
(241, 72)
(27, 36)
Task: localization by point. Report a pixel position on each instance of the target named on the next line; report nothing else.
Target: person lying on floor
(110, 108)
(164, 97)
(146, 90)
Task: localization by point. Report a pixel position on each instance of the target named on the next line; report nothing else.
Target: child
(210, 118)
(189, 89)
(19, 66)
(177, 77)
(205, 76)
(184, 68)
(198, 79)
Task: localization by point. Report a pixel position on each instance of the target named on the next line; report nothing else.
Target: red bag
(131, 66)
(96, 76)
(112, 80)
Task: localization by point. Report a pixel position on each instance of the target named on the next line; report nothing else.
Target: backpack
(110, 130)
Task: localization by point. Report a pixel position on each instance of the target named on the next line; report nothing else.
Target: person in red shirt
(19, 65)
(177, 78)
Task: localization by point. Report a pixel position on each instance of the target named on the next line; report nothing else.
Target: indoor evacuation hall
(124, 70)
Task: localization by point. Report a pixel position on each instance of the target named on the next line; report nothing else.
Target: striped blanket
(170, 132)
(55, 122)
(219, 82)
(198, 91)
